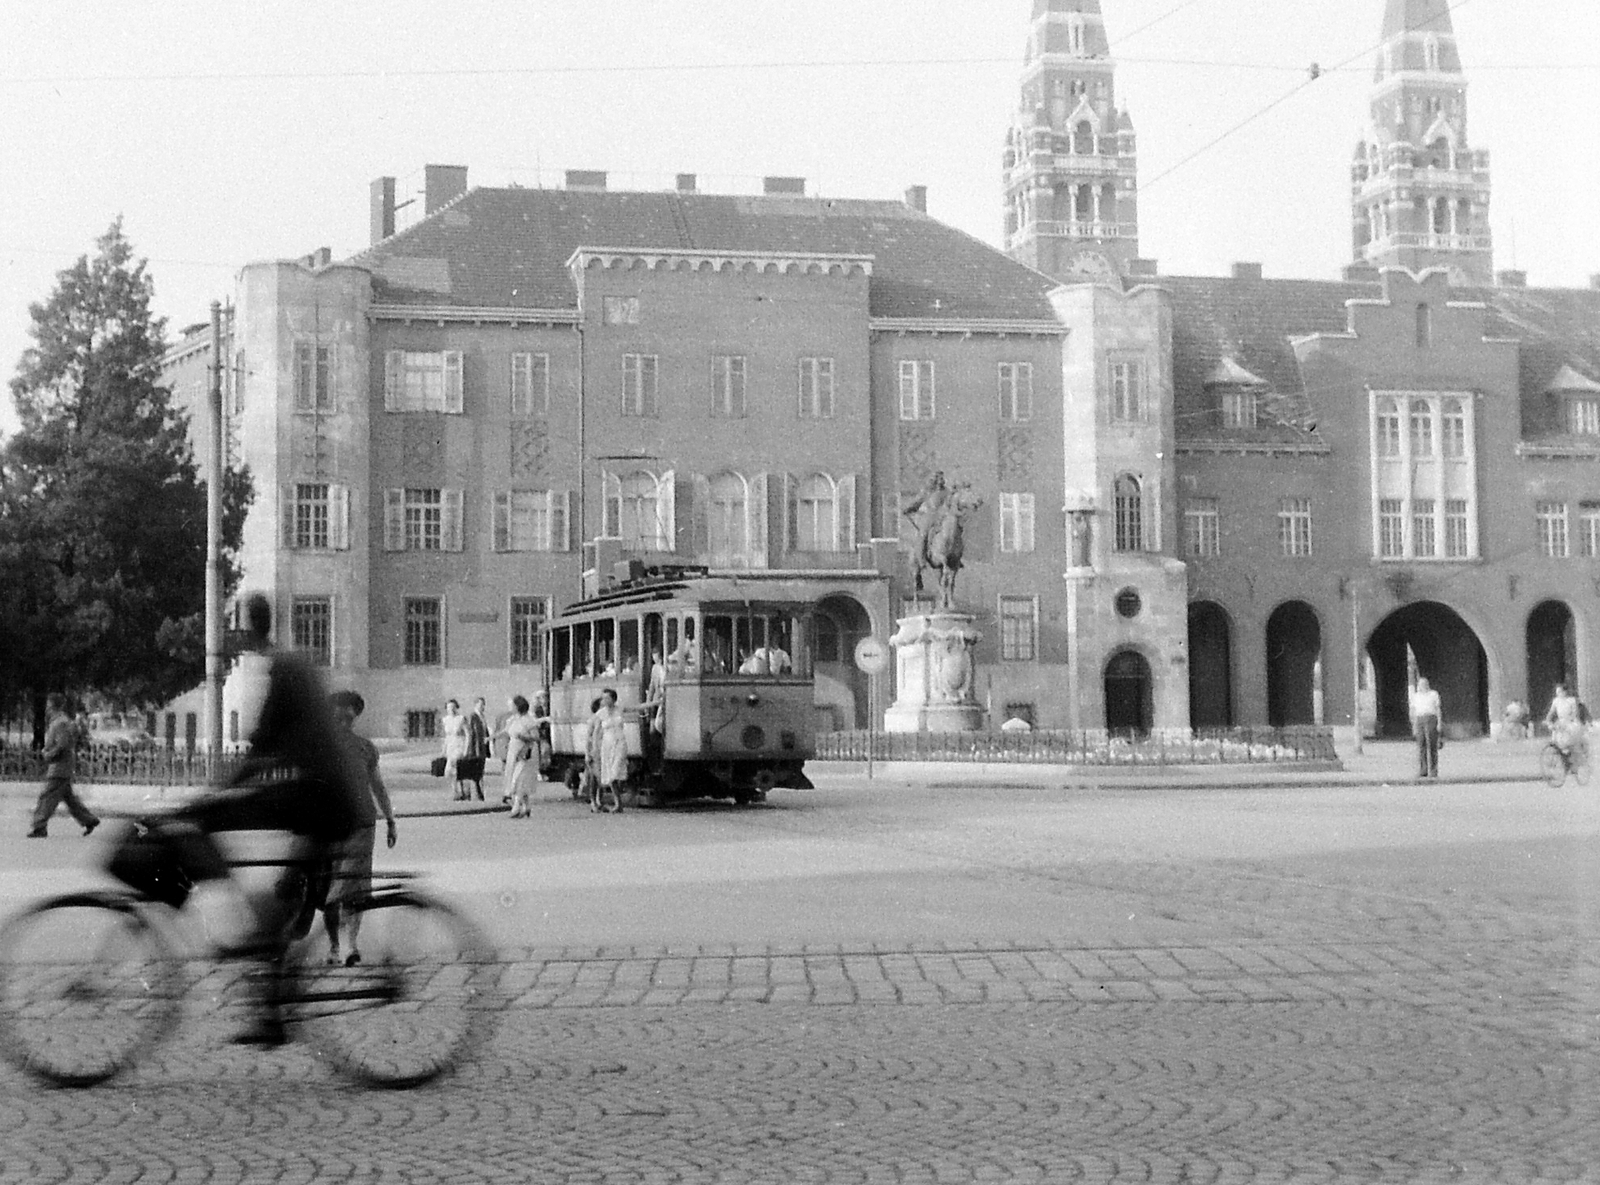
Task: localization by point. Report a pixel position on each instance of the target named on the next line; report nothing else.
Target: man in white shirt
(1425, 720)
(1565, 720)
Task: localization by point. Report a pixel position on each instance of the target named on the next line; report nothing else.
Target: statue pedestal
(933, 656)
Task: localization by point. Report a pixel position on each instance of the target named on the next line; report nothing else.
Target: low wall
(1236, 746)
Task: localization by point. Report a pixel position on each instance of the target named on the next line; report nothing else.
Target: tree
(102, 510)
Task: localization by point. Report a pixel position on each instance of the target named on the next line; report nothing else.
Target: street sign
(872, 656)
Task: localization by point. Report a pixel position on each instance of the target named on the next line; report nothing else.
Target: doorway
(1130, 698)
(1210, 666)
(1294, 645)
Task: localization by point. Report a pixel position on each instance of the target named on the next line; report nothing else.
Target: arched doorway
(1446, 652)
(1130, 694)
(841, 688)
(1210, 666)
(1552, 654)
(1294, 644)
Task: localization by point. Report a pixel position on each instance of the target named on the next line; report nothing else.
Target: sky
(223, 134)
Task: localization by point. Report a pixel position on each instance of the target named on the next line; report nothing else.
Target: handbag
(438, 766)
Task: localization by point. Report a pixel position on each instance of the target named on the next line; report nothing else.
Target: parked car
(119, 732)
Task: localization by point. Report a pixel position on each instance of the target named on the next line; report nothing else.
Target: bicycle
(1556, 763)
(92, 981)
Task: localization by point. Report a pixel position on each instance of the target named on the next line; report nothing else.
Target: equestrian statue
(938, 512)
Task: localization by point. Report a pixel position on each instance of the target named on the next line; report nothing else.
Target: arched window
(1083, 203)
(1075, 34)
(1108, 203)
(1421, 428)
(1388, 429)
(1464, 216)
(1430, 53)
(1083, 139)
(1129, 500)
(727, 516)
(815, 506)
(633, 511)
(1439, 154)
(1454, 435)
(1441, 216)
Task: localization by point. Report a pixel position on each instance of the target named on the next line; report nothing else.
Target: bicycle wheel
(1582, 769)
(86, 986)
(413, 1007)
(1553, 765)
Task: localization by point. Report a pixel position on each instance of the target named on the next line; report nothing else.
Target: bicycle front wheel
(86, 986)
(413, 1007)
(1553, 765)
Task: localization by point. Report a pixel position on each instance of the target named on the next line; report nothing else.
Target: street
(940, 982)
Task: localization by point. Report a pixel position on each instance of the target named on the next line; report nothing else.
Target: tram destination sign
(872, 656)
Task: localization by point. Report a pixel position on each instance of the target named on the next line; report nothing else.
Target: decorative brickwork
(530, 449)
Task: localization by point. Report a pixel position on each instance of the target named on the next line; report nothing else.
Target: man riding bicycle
(1566, 721)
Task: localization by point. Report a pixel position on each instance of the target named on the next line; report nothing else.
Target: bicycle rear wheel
(1553, 765)
(1582, 769)
(86, 986)
(414, 1006)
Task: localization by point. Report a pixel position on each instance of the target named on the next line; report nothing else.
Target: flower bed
(1235, 746)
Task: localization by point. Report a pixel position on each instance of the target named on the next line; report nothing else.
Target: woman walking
(453, 728)
(613, 773)
(522, 757)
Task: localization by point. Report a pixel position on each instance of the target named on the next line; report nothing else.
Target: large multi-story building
(1207, 501)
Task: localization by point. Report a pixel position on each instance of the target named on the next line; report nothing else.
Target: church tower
(1070, 165)
(1420, 191)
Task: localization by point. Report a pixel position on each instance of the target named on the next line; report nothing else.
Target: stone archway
(1210, 666)
(1130, 694)
(1294, 646)
(1552, 654)
(1447, 653)
(838, 623)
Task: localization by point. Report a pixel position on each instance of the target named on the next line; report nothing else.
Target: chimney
(1247, 271)
(587, 179)
(917, 198)
(784, 186)
(1142, 267)
(688, 183)
(1511, 279)
(441, 185)
(1361, 273)
(382, 204)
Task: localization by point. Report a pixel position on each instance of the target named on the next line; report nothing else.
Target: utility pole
(214, 658)
(1355, 662)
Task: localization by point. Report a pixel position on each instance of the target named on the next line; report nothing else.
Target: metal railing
(128, 767)
(1233, 746)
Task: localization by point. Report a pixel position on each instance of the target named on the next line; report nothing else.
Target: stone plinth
(933, 656)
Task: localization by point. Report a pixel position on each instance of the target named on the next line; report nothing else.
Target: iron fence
(129, 767)
(1233, 746)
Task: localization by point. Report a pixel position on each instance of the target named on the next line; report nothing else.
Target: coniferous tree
(102, 510)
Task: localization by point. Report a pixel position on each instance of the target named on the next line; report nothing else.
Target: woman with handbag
(522, 757)
(453, 728)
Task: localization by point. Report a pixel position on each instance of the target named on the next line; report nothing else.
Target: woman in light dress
(522, 756)
(612, 747)
(456, 733)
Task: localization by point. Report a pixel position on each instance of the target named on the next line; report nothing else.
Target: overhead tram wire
(1315, 73)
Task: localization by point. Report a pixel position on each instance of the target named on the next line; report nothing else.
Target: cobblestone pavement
(1326, 1023)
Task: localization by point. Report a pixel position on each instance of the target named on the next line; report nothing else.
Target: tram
(734, 717)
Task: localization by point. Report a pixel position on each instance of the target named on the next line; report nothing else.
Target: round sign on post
(872, 656)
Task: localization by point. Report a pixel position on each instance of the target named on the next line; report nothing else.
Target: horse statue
(939, 539)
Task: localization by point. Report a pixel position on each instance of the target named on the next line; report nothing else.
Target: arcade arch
(1432, 640)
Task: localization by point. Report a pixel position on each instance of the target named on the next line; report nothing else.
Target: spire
(1070, 165)
(1417, 16)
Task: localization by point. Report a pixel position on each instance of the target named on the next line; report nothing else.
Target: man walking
(61, 752)
(1425, 716)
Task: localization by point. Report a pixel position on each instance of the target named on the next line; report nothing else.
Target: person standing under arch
(1426, 717)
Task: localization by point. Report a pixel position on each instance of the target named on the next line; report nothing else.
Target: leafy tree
(102, 510)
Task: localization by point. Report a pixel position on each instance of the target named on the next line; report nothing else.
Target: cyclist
(300, 778)
(1565, 719)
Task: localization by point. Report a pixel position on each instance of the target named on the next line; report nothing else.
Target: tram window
(605, 648)
(717, 655)
(628, 657)
(561, 652)
(654, 641)
(583, 649)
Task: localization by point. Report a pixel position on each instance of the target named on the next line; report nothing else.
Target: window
(311, 628)
(1294, 526)
(532, 520)
(1202, 530)
(1127, 390)
(727, 516)
(1453, 436)
(1016, 522)
(422, 725)
(815, 514)
(916, 390)
(1016, 391)
(1019, 629)
(1424, 327)
(816, 388)
(1424, 541)
(1552, 518)
(313, 377)
(1430, 54)
(1239, 409)
(530, 384)
(1128, 603)
(639, 510)
(639, 379)
(1129, 501)
(1391, 528)
(1583, 417)
(527, 620)
(727, 386)
(422, 520)
(620, 310)
(316, 517)
(1421, 429)
(424, 626)
(1589, 530)
(1457, 539)
(416, 381)
(1388, 429)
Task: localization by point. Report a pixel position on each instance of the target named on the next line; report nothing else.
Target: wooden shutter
(452, 382)
(649, 382)
(393, 364)
(756, 518)
(286, 509)
(539, 385)
(305, 378)
(452, 531)
(339, 518)
(791, 525)
(333, 630)
(844, 509)
(1025, 503)
(698, 516)
(500, 516)
(667, 510)
(560, 520)
(610, 505)
(520, 383)
(394, 520)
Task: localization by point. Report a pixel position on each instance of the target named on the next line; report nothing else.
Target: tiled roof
(508, 248)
